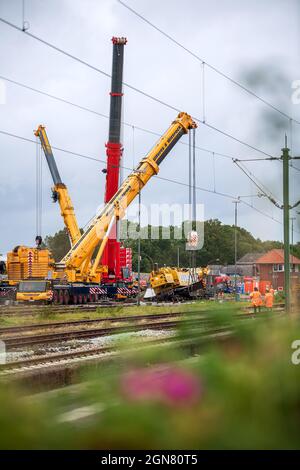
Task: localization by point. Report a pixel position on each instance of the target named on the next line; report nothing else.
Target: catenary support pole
(236, 202)
(286, 224)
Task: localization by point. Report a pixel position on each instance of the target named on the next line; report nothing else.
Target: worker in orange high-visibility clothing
(256, 299)
(271, 290)
(269, 299)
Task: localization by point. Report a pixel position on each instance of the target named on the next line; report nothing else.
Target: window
(33, 286)
(278, 267)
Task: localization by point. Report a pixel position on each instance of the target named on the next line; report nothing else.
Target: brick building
(269, 267)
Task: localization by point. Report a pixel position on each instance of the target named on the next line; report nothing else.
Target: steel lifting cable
(40, 192)
(190, 177)
(38, 188)
(36, 185)
(190, 194)
(194, 195)
(194, 176)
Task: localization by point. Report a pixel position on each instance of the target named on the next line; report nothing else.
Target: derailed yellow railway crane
(80, 273)
(170, 283)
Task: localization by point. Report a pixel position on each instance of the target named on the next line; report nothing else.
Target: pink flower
(164, 383)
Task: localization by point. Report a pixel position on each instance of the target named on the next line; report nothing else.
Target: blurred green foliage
(239, 393)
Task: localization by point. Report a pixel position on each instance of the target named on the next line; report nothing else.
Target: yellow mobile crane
(36, 264)
(80, 273)
(60, 191)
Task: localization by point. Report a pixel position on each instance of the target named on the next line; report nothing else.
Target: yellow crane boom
(60, 191)
(77, 262)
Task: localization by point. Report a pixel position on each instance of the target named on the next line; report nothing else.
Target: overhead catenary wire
(205, 63)
(137, 90)
(260, 187)
(106, 116)
(180, 183)
(278, 159)
(212, 152)
(88, 157)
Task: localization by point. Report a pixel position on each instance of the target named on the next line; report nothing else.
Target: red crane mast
(115, 257)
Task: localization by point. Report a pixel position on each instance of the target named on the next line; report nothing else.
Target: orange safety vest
(256, 298)
(269, 300)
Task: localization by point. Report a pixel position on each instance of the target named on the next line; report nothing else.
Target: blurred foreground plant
(240, 393)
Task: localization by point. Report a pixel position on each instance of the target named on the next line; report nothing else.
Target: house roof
(249, 258)
(276, 256)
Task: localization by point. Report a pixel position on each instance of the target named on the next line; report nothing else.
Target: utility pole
(236, 202)
(286, 224)
(178, 257)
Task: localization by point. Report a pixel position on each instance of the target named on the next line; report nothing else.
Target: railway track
(13, 342)
(62, 324)
(58, 359)
(21, 310)
(159, 321)
(204, 336)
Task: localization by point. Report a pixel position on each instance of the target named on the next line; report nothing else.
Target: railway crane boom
(60, 191)
(76, 263)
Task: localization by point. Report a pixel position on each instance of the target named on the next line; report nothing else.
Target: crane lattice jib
(148, 166)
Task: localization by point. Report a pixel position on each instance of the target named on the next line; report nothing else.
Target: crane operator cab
(34, 291)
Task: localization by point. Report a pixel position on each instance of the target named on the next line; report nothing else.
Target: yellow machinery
(79, 273)
(76, 263)
(35, 291)
(24, 262)
(60, 191)
(29, 263)
(169, 282)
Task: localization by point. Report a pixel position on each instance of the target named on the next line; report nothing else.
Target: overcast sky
(255, 42)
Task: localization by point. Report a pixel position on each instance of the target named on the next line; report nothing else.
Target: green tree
(218, 244)
(58, 244)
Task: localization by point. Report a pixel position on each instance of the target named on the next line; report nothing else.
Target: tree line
(218, 246)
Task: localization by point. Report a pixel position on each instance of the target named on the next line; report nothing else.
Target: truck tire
(66, 298)
(61, 297)
(55, 297)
